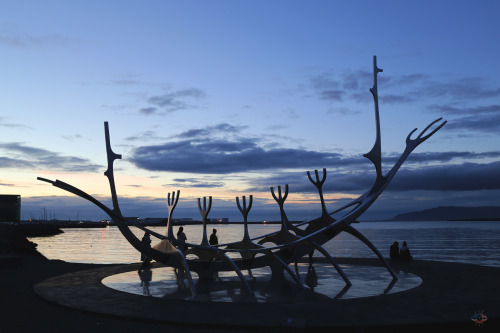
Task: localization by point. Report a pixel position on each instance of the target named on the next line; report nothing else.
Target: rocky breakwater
(14, 245)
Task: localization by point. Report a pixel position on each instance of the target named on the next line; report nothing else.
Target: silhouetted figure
(181, 238)
(146, 240)
(404, 252)
(213, 238)
(394, 251)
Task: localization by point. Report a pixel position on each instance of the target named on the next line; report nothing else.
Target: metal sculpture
(276, 250)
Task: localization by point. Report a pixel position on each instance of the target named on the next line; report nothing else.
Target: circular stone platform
(450, 293)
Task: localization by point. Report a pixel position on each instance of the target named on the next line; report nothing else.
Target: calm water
(466, 242)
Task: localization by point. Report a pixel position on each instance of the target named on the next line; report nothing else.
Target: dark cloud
(442, 157)
(194, 182)
(331, 95)
(21, 156)
(172, 101)
(148, 111)
(202, 151)
(461, 177)
(223, 156)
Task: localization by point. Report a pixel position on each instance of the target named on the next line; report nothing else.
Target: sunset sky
(228, 98)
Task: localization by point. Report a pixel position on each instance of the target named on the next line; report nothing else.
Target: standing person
(146, 240)
(214, 241)
(213, 238)
(394, 251)
(181, 238)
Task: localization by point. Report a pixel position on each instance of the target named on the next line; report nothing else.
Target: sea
(473, 242)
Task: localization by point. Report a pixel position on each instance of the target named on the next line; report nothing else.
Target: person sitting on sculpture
(394, 251)
(404, 252)
(181, 239)
(213, 238)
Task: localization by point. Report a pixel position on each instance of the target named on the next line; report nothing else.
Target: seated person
(404, 252)
(394, 251)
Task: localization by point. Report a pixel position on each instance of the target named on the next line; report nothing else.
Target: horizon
(227, 99)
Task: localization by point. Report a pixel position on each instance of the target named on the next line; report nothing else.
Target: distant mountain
(446, 213)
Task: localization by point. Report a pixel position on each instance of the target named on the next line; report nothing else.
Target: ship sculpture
(277, 250)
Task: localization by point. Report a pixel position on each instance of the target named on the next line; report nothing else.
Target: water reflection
(145, 275)
(367, 281)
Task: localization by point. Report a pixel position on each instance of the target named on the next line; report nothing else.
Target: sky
(229, 98)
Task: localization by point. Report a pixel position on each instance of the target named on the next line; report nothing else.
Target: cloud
(444, 96)
(194, 182)
(125, 82)
(146, 136)
(463, 100)
(22, 41)
(460, 89)
(148, 111)
(394, 99)
(13, 125)
(326, 88)
(475, 110)
(484, 119)
(21, 156)
(172, 101)
(223, 129)
(75, 137)
(7, 184)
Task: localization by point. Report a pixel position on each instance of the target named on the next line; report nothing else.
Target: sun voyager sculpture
(276, 250)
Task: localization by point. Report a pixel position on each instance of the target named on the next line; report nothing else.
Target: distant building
(10, 208)
(219, 220)
(155, 220)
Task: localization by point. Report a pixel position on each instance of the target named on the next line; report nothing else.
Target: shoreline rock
(13, 242)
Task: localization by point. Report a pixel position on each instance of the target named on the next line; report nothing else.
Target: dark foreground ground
(448, 297)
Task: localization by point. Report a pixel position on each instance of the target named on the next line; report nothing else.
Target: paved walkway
(449, 295)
